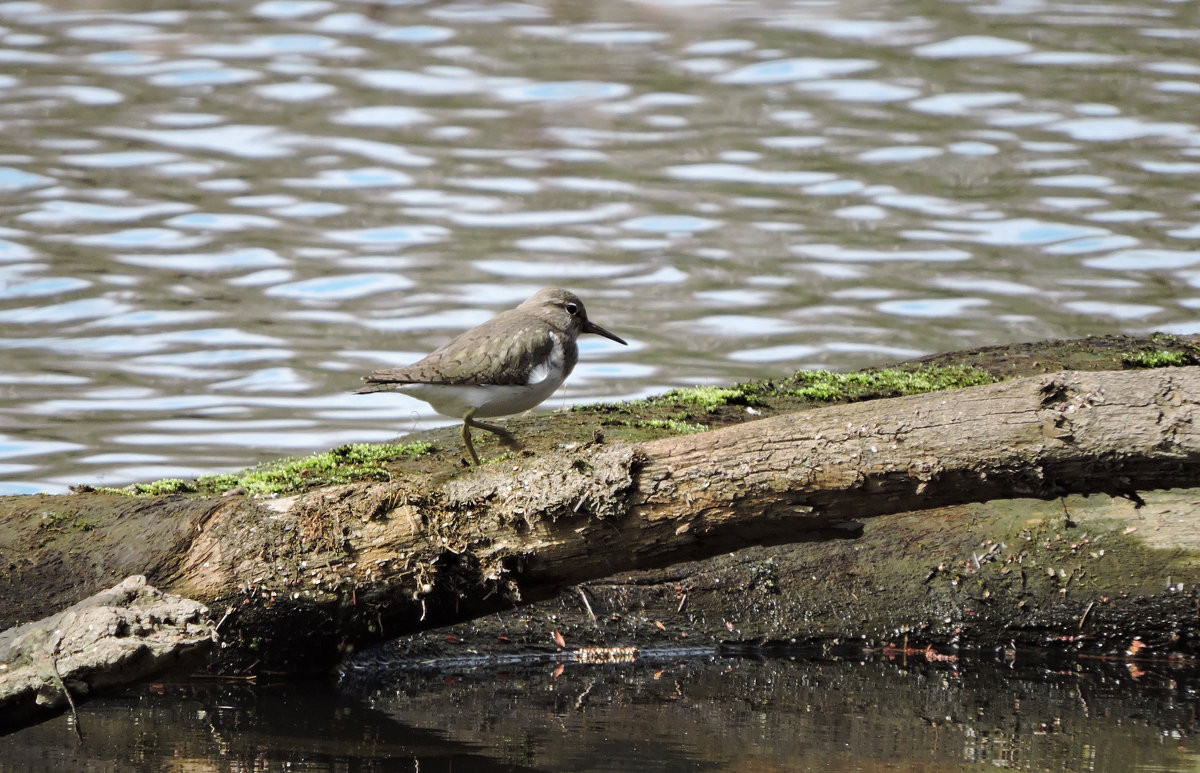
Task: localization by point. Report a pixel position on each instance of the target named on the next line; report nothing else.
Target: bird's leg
(505, 436)
(470, 421)
(466, 435)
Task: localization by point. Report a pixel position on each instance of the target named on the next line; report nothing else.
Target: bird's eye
(572, 308)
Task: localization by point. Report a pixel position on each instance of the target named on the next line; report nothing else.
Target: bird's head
(564, 310)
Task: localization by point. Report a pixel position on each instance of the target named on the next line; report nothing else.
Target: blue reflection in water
(901, 153)
(116, 33)
(214, 221)
(15, 179)
(930, 307)
(860, 90)
(1017, 231)
(1096, 244)
(11, 447)
(738, 173)
(395, 235)
(120, 159)
(417, 33)
(371, 177)
(123, 58)
(671, 224)
(972, 46)
(310, 209)
(215, 356)
(563, 91)
(775, 353)
(62, 211)
(12, 251)
(291, 9)
(1145, 260)
(267, 46)
(341, 287)
(617, 37)
(149, 319)
(159, 238)
(575, 269)
(1111, 309)
(787, 70)
(205, 76)
(296, 91)
(87, 308)
(267, 380)
(42, 287)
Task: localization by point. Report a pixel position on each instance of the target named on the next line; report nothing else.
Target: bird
(507, 365)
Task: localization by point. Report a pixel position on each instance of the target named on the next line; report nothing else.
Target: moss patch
(672, 426)
(358, 461)
(1157, 358)
(707, 398)
(701, 408)
(59, 521)
(826, 386)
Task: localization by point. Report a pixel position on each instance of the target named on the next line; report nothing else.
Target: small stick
(53, 655)
(586, 605)
(1085, 613)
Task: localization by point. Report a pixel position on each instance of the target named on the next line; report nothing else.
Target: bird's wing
(501, 355)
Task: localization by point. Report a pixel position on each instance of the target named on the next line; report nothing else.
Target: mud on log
(306, 577)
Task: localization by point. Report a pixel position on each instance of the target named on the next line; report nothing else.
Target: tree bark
(309, 576)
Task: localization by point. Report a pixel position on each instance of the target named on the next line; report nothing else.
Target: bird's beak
(592, 327)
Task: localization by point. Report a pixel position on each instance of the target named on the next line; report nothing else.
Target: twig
(583, 597)
(1070, 522)
(53, 656)
(1085, 613)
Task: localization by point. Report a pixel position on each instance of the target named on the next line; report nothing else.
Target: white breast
(496, 399)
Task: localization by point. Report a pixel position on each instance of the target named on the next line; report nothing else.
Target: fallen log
(307, 577)
(120, 635)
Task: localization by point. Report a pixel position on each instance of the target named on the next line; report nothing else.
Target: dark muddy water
(695, 714)
(214, 217)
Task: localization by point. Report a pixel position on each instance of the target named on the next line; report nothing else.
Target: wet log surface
(809, 495)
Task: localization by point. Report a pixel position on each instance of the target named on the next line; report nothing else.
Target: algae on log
(309, 576)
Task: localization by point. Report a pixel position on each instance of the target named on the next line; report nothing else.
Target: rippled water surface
(215, 216)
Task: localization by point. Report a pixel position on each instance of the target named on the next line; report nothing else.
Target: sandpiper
(507, 365)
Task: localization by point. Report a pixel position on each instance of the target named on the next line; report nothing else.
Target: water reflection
(743, 188)
(659, 714)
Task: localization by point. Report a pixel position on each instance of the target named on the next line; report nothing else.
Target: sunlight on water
(237, 223)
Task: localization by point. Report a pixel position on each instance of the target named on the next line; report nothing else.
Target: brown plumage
(507, 365)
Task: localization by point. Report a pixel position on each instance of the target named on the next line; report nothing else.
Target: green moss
(165, 486)
(57, 521)
(343, 464)
(1156, 358)
(675, 426)
(826, 386)
(709, 398)
(677, 411)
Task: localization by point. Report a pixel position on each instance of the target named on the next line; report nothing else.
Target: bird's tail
(369, 388)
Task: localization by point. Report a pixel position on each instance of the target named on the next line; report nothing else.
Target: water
(695, 714)
(216, 217)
